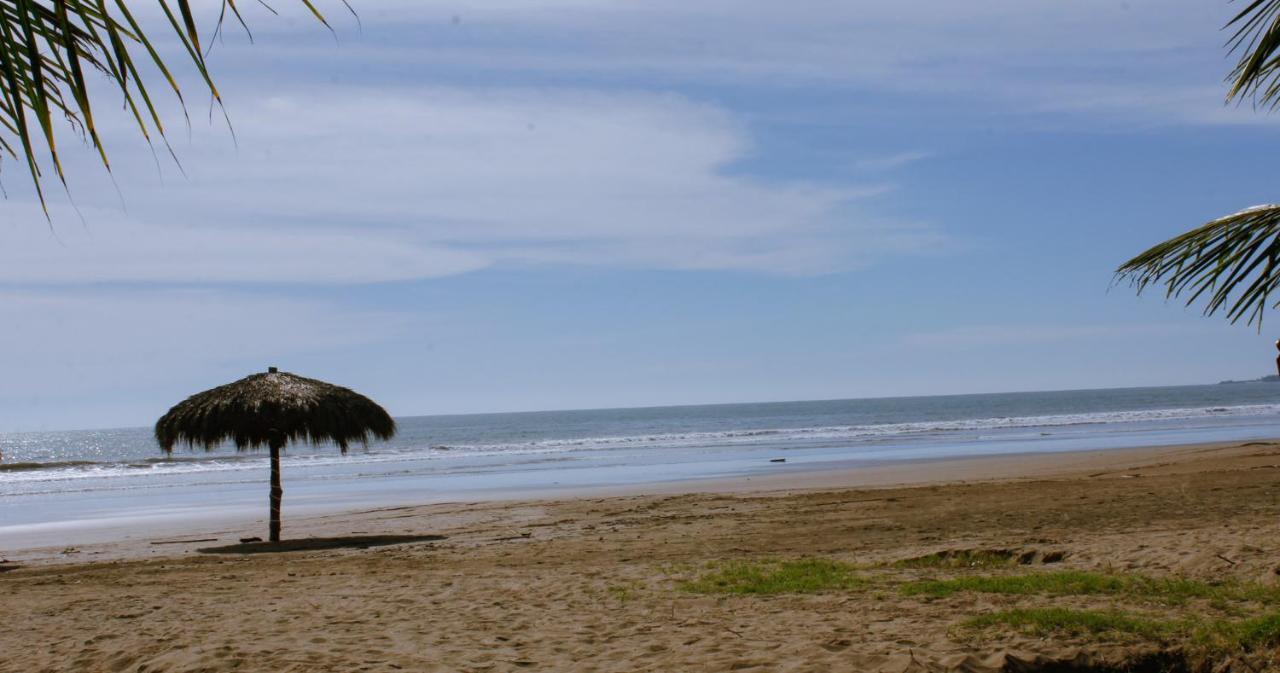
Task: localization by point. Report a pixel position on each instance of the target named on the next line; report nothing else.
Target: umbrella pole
(277, 492)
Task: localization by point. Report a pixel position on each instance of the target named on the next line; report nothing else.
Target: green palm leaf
(46, 48)
(1233, 262)
(1256, 39)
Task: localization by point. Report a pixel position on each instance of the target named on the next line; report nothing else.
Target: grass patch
(1210, 636)
(775, 577)
(1250, 634)
(625, 592)
(1045, 621)
(1171, 591)
(967, 558)
(1194, 631)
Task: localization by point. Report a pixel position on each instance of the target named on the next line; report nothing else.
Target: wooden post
(277, 492)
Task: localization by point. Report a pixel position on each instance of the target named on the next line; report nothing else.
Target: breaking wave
(520, 452)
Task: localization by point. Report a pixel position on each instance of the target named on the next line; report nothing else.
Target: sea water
(74, 481)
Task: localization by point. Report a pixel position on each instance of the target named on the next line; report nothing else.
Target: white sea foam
(469, 455)
(882, 430)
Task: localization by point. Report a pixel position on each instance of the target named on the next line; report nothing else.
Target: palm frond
(1257, 40)
(1233, 262)
(46, 47)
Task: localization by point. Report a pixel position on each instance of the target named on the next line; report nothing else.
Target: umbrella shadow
(319, 543)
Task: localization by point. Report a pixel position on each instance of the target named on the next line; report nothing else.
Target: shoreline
(600, 582)
(126, 493)
(132, 538)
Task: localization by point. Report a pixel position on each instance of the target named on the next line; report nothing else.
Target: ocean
(69, 484)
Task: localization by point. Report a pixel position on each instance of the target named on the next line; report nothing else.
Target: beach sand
(592, 583)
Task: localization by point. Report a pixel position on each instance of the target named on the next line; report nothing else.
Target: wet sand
(591, 582)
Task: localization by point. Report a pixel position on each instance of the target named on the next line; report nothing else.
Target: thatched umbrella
(271, 410)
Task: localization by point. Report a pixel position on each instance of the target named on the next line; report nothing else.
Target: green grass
(624, 592)
(1172, 591)
(1213, 636)
(957, 559)
(1225, 629)
(1045, 621)
(1249, 634)
(775, 577)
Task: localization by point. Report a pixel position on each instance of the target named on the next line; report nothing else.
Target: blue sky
(484, 206)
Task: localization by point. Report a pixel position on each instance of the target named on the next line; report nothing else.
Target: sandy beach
(624, 337)
(598, 582)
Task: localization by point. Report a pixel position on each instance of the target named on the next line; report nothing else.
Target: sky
(495, 205)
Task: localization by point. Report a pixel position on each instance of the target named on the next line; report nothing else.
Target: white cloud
(997, 336)
(1143, 61)
(65, 344)
(361, 185)
(112, 247)
(1135, 62)
(891, 161)
(375, 183)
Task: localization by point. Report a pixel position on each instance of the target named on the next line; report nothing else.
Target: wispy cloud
(975, 337)
(403, 177)
(891, 162)
(87, 342)
(1144, 61)
(113, 247)
(384, 185)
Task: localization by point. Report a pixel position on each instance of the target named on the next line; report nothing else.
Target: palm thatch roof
(276, 405)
